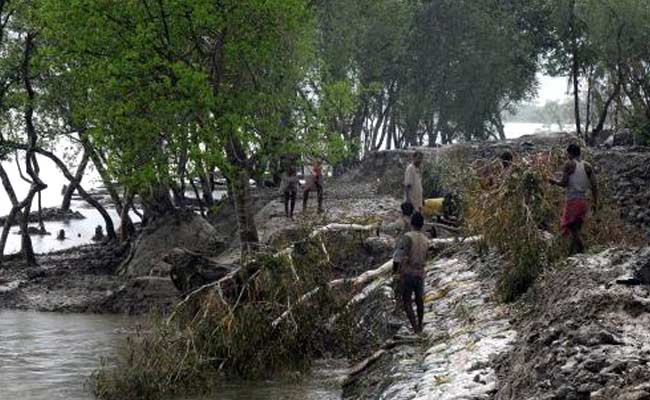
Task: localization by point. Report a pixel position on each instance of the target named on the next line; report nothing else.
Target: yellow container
(433, 207)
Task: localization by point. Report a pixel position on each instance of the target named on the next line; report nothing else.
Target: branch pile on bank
(270, 315)
(275, 313)
(517, 212)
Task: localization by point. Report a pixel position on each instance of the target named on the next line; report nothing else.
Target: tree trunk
(498, 123)
(157, 202)
(603, 114)
(110, 228)
(15, 210)
(31, 163)
(127, 229)
(81, 168)
(575, 70)
(588, 103)
(198, 197)
(103, 173)
(26, 242)
(241, 194)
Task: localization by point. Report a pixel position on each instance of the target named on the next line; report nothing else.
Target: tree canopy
(158, 94)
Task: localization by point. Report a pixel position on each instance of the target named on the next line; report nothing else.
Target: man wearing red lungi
(577, 177)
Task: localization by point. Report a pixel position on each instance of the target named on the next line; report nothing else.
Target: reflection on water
(49, 356)
(77, 231)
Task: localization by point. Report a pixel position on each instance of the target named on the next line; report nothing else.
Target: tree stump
(191, 270)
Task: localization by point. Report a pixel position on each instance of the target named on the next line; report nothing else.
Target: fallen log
(190, 270)
(367, 277)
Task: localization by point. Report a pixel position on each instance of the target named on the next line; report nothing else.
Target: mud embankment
(628, 173)
(48, 214)
(584, 332)
(72, 280)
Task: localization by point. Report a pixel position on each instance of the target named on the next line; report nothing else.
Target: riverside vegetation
(165, 98)
(280, 317)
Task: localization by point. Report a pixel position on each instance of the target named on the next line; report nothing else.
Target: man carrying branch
(577, 178)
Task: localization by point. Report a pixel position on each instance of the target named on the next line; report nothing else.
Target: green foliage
(605, 44)
(512, 210)
(179, 77)
(509, 216)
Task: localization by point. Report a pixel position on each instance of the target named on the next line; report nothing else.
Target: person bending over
(401, 225)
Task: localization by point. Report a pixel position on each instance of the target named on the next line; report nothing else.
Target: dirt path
(463, 331)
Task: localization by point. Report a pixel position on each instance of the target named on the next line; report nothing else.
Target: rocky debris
(34, 231)
(182, 230)
(190, 270)
(463, 331)
(623, 137)
(628, 173)
(49, 214)
(584, 336)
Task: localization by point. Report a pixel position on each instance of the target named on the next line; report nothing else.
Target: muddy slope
(585, 332)
(69, 280)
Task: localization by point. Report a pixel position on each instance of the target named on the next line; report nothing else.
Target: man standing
(289, 190)
(413, 182)
(315, 182)
(577, 177)
(410, 257)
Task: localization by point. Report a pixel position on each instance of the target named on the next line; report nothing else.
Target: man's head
(506, 159)
(573, 151)
(407, 209)
(417, 221)
(418, 157)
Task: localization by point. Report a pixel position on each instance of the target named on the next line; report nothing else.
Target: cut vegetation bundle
(216, 333)
(276, 314)
(517, 212)
(511, 208)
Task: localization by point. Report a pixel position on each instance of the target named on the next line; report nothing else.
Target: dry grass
(512, 209)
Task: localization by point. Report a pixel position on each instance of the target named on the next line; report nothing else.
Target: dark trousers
(411, 285)
(289, 202)
(319, 194)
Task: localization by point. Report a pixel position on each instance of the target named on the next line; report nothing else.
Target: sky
(551, 88)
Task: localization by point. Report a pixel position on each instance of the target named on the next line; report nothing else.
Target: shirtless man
(410, 257)
(577, 177)
(315, 182)
(400, 226)
(413, 182)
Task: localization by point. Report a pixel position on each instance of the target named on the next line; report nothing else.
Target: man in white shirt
(413, 182)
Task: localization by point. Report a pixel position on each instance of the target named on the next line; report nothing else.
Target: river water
(49, 356)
